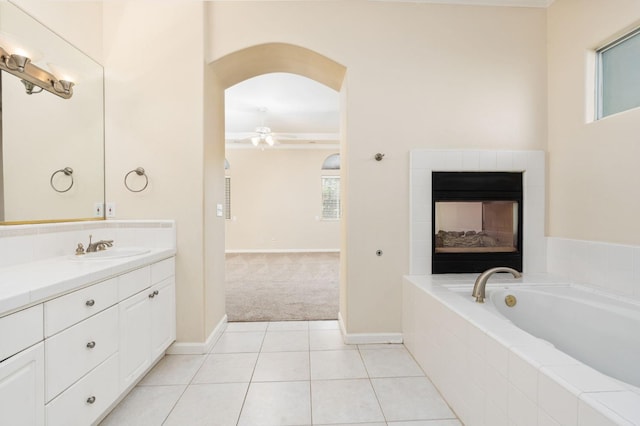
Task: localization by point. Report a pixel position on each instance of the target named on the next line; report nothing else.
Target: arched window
(332, 162)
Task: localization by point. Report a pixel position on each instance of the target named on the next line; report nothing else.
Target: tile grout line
(173, 407)
(384, 416)
(310, 388)
(244, 400)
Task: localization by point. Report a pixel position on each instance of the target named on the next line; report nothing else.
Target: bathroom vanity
(77, 334)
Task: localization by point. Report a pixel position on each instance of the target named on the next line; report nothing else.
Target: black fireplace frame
(476, 186)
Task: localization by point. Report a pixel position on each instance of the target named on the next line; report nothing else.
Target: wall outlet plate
(111, 209)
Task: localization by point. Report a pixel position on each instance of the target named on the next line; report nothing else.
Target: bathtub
(593, 328)
(562, 355)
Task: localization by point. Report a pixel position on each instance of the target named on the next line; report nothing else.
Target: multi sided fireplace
(477, 221)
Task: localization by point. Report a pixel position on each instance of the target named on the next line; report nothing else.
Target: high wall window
(619, 75)
(330, 197)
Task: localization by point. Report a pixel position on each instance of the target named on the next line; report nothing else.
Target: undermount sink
(113, 253)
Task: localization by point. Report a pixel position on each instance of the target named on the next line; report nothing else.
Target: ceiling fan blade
(285, 135)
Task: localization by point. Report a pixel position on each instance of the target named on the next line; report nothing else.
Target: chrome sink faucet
(98, 245)
(481, 281)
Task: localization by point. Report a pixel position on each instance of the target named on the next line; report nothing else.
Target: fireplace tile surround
(425, 161)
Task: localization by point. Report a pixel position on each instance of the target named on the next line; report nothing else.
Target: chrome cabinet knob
(152, 295)
(91, 345)
(90, 302)
(156, 292)
(91, 400)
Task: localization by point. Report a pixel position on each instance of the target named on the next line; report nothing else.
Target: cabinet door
(135, 338)
(163, 316)
(22, 388)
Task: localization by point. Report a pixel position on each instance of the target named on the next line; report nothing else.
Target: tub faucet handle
(80, 249)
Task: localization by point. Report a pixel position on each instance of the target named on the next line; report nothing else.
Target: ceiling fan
(263, 134)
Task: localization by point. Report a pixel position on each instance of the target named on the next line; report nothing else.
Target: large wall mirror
(52, 148)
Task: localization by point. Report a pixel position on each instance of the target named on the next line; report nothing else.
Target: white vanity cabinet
(96, 335)
(147, 323)
(66, 360)
(22, 368)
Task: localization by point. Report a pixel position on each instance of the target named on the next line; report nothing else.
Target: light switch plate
(98, 209)
(219, 210)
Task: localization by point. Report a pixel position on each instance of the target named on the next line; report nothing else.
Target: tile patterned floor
(286, 373)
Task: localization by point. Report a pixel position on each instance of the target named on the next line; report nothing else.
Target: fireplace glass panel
(476, 226)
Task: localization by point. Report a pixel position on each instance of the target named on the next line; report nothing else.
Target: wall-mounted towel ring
(68, 171)
(140, 172)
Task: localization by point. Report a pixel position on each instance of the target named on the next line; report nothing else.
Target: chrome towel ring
(68, 171)
(140, 172)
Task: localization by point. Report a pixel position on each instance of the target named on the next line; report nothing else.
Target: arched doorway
(220, 75)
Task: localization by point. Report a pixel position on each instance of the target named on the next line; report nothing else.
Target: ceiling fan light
(269, 140)
(255, 140)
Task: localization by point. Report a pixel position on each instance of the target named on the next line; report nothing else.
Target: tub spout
(481, 281)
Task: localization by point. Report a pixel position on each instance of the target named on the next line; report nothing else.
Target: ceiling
(517, 3)
(300, 111)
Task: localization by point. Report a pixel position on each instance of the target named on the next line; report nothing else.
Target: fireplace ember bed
(477, 221)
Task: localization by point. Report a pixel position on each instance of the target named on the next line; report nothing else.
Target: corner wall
(593, 178)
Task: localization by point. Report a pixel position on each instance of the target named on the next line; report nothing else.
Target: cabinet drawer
(87, 399)
(20, 330)
(67, 310)
(163, 270)
(133, 282)
(71, 354)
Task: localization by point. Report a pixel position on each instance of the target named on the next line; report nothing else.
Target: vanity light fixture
(65, 81)
(62, 86)
(15, 62)
(32, 76)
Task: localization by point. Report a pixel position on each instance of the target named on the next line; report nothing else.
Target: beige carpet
(282, 286)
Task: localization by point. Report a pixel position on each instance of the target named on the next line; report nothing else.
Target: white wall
(418, 75)
(79, 22)
(593, 178)
(276, 201)
(154, 119)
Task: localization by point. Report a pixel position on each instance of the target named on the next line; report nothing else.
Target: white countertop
(30, 283)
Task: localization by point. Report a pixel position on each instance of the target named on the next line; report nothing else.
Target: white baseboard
(197, 348)
(372, 338)
(250, 251)
(367, 338)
